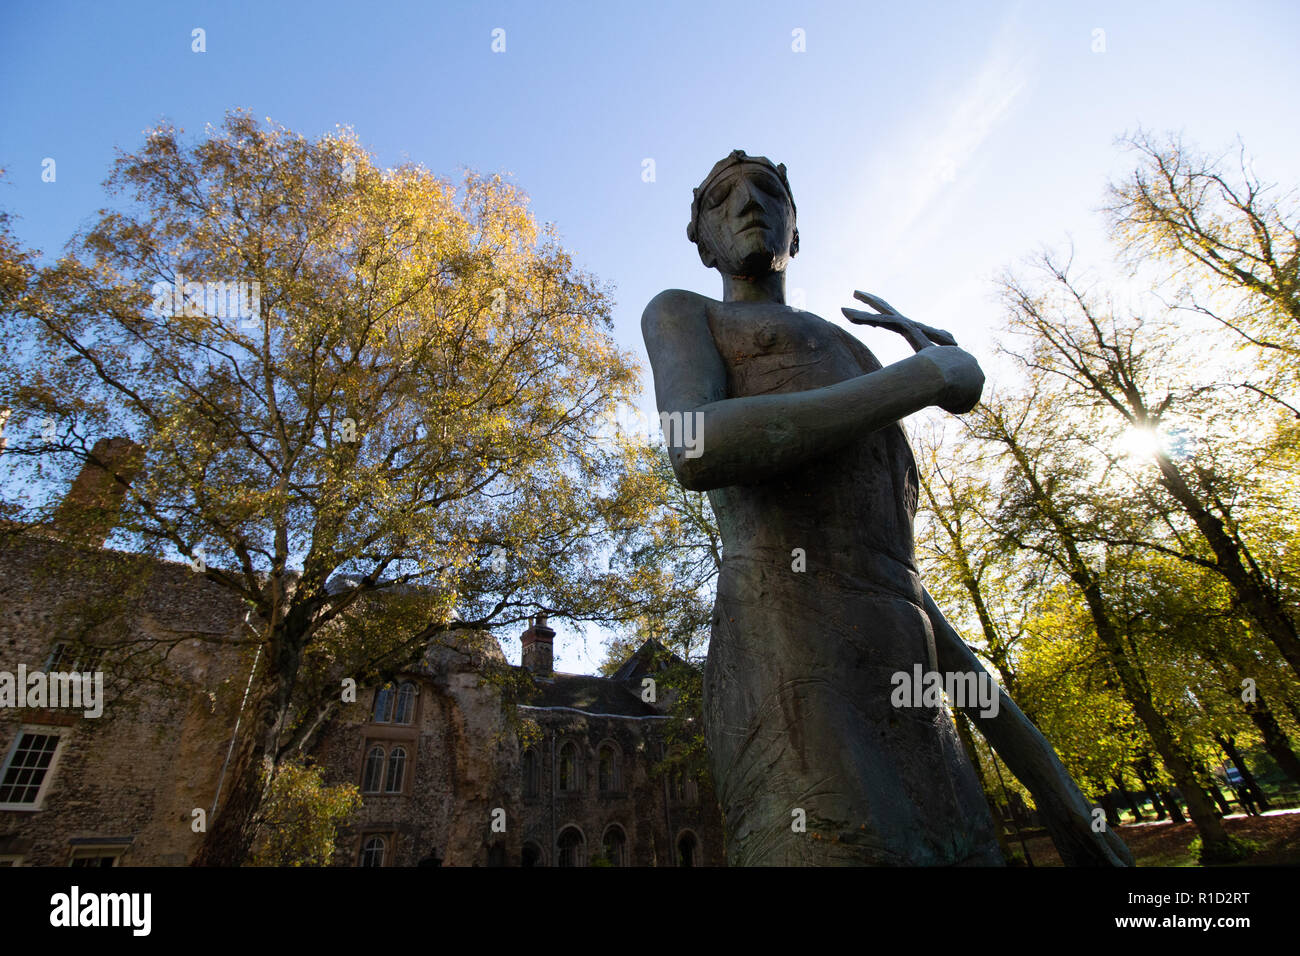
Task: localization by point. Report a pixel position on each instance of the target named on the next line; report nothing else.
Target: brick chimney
(93, 505)
(538, 656)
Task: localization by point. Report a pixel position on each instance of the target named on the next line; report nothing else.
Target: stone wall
(131, 777)
(129, 780)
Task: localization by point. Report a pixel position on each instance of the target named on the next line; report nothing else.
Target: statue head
(743, 217)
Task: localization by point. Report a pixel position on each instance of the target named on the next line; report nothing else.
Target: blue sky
(929, 145)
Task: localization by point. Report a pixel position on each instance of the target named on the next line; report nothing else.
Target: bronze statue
(819, 604)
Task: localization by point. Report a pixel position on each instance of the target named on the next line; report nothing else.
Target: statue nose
(749, 196)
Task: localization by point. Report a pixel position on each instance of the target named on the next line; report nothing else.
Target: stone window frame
(95, 851)
(43, 792)
(366, 764)
(579, 766)
(531, 773)
(386, 745)
(616, 784)
(582, 848)
(81, 656)
(396, 764)
(697, 853)
(389, 839)
(604, 842)
(395, 691)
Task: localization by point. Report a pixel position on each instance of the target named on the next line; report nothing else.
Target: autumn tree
(1054, 508)
(677, 555)
(1120, 527)
(1227, 241)
(298, 822)
(985, 585)
(1214, 485)
(346, 383)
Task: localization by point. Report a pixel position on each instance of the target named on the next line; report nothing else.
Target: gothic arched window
(405, 710)
(385, 698)
(374, 771)
(373, 850)
(396, 770)
(569, 767)
(616, 846)
(609, 770)
(569, 848)
(686, 847)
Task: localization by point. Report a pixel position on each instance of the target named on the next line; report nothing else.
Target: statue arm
(1065, 813)
(750, 440)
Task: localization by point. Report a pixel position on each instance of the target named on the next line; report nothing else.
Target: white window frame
(71, 648)
(90, 850)
(388, 770)
(383, 839)
(41, 794)
(382, 776)
(411, 691)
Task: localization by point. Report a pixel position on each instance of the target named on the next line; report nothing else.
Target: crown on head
(737, 157)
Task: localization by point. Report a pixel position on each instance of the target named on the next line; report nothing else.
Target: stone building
(445, 780)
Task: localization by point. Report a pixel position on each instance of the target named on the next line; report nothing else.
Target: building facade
(445, 776)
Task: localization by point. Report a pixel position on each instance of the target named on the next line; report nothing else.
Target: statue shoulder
(672, 307)
(687, 368)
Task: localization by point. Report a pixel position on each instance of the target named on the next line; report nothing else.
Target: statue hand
(887, 317)
(963, 380)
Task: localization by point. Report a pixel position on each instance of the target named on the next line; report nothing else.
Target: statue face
(746, 223)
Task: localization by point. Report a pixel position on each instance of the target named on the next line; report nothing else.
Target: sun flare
(1141, 443)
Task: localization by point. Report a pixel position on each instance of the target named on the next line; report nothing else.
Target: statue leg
(812, 763)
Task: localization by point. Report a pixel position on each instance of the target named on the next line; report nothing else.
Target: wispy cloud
(943, 140)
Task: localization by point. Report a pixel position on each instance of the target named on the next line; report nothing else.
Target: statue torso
(851, 511)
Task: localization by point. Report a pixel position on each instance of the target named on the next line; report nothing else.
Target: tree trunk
(1215, 845)
(1062, 808)
(230, 835)
(1108, 804)
(1128, 797)
(1211, 790)
(1175, 810)
(1275, 739)
(1236, 565)
(1214, 838)
(1248, 779)
(1152, 793)
(1215, 794)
